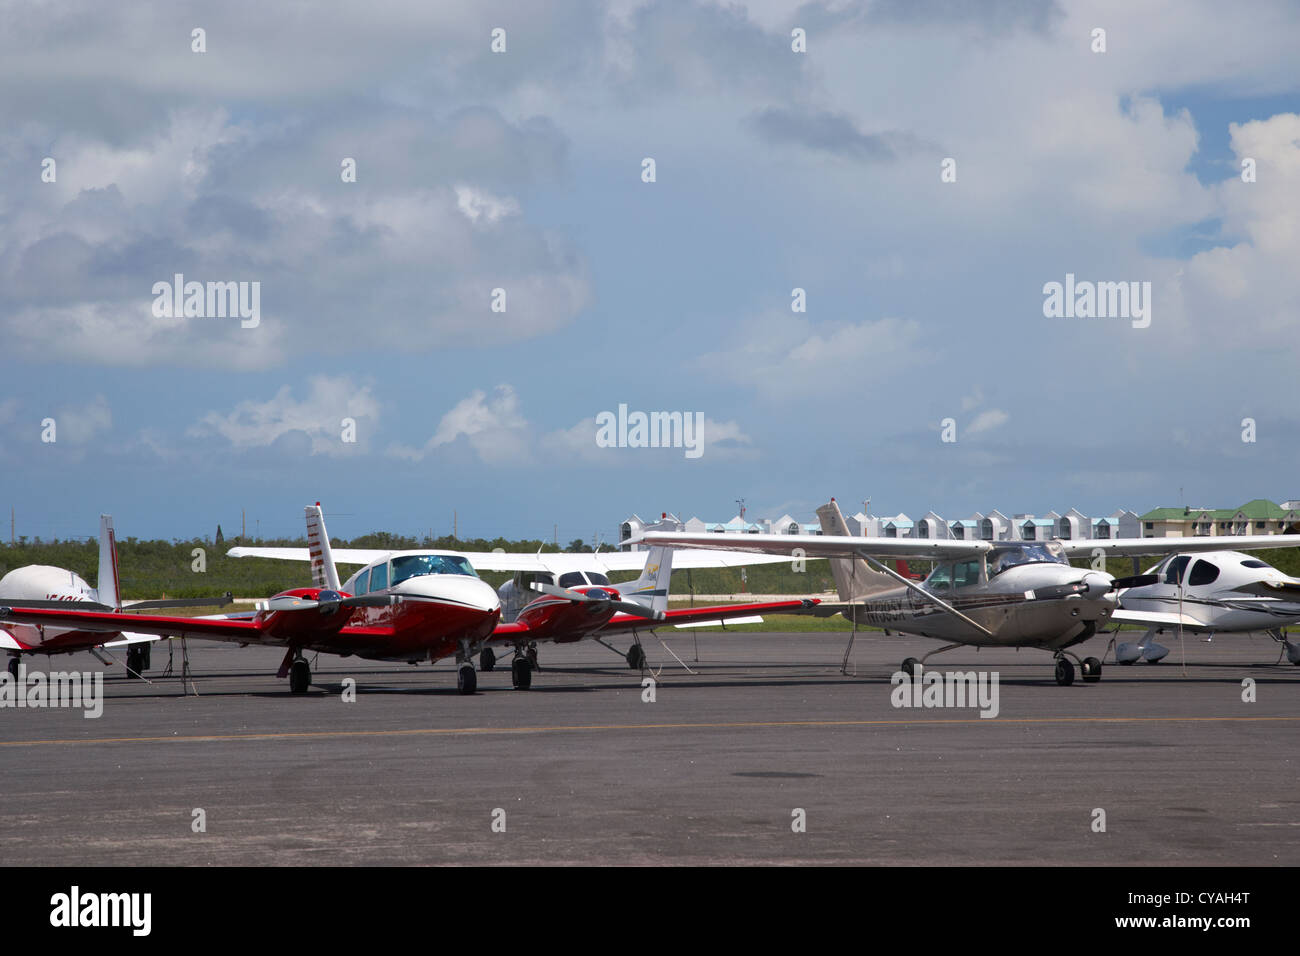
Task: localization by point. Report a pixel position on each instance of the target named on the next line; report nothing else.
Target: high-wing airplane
(1209, 593)
(413, 606)
(980, 593)
(39, 585)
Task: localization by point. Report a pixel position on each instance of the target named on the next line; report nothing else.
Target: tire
(1091, 670)
(299, 677)
(1064, 672)
(466, 679)
(521, 673)
(487, 660)
(636, 657)
(910, 665)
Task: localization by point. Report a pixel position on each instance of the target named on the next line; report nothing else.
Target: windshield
(414, 565)
(1047, 552)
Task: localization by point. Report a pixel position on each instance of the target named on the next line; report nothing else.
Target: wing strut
(922, 591)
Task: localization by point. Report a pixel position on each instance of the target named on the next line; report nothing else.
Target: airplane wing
(820, 546)
(1156, 618)
(1126, 547)
(554, 562)
(512, 632)
(283, 627)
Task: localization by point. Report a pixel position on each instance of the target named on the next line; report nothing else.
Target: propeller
(1135, 581)
(1056, 591)
(577, 597)
(222, 601)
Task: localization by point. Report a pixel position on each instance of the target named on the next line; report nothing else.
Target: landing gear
(136, 660)
(466, 679)
(1065, 672)
(909, 666)
(521, 673)
(1090, 668)
(487, 660)
(636, 657)
(531, 654)
(299, 677)
(13, 667)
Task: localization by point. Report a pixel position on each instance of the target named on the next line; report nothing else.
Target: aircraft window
(1045, 553)
(415, 565)
(1175, 569)
(597, 578)
(1253, 563)
(1203, 572)
(966, 573)
(360, 587)
(573, 579)
(379, 577)
(940, 578)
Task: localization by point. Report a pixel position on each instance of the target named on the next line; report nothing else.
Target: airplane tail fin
(651, 588)
(854, 578)
(323, 572)
(109, 587)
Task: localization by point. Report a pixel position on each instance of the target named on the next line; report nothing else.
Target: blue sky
(522, 170)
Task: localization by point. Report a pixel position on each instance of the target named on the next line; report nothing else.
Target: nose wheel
(299, 677)
(636, 657)
(521, 673)
(466, 679)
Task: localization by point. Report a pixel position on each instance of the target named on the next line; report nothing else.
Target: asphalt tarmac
(721, 767)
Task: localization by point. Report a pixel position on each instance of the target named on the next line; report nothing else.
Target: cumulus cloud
(987, 420)
(834, 133)
(79, 423)
(311, 425)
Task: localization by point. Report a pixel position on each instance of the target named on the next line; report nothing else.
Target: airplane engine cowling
(1154, 652)
(1127, 653)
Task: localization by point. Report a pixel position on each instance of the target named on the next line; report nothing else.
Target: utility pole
(243, 524)
(555, 536)
(455, 527)
(11, 526)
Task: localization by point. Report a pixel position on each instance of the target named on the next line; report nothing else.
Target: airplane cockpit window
(573, 579)
(415, 565)
(1174, 570)
(362, 580)
(1254, 563)
(1203, 572)
(1046, 552)
(940, 578)
(965, 573)
(597, 578)
(379, 577)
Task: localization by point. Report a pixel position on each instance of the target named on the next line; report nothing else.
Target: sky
(920, 170)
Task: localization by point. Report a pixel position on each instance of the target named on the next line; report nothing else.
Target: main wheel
(1091, 670)
(466, 679)
(1064, 672)
(531, 654)
(910, 665)
(134, 662)
(13, 667)
(299, 677)
(636, 657)
(521, 673)
(487, 660)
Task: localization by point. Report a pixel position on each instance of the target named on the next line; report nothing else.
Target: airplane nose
(1098, 584)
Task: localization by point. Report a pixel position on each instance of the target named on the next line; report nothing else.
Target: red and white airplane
(413, 606)
(39, 585)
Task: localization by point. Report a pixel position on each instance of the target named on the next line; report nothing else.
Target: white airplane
(980, 593)
(1210, 593)
(43, 586)
(554, 569)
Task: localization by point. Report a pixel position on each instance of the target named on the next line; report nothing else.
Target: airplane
(565, 570)
(980, 593)
(1210, 593)
(413, 606)
(40, 585)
